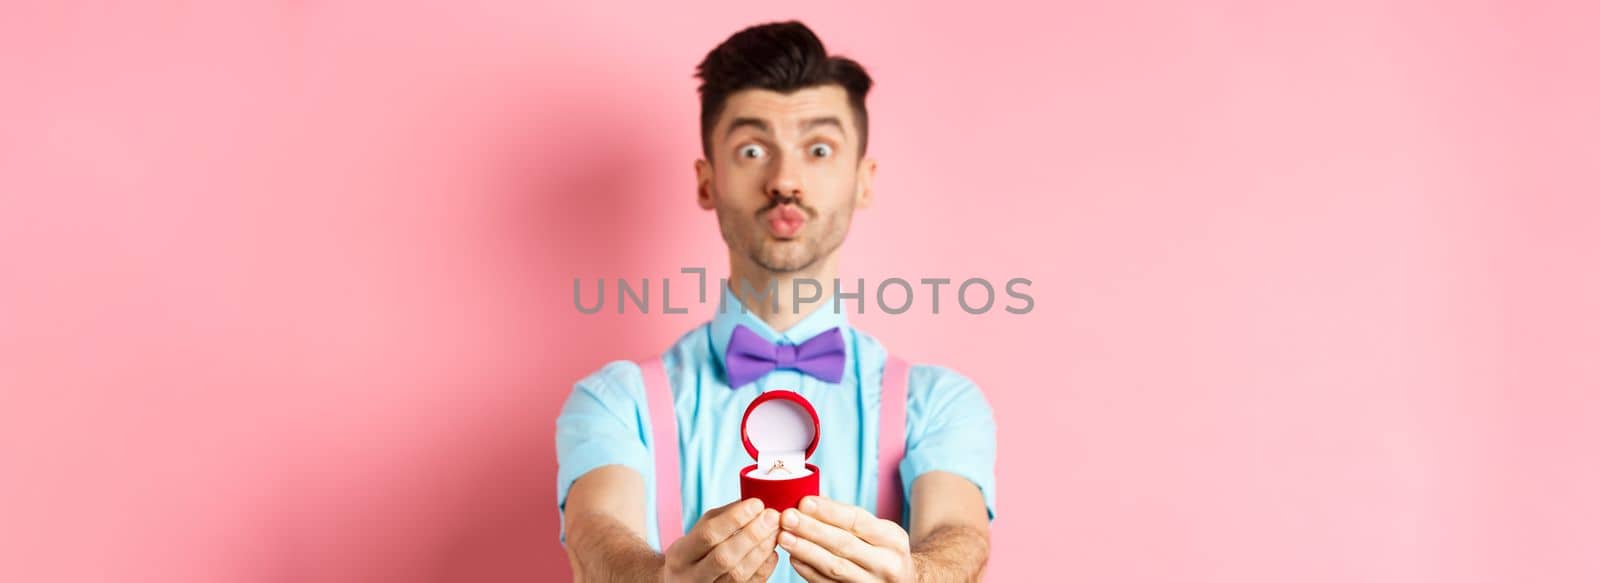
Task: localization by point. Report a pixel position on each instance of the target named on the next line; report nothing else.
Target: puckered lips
(785, 221)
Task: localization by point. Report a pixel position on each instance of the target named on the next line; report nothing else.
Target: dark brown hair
(778, 56)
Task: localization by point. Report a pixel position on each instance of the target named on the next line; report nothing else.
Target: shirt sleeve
(949, 427)
(601, 424)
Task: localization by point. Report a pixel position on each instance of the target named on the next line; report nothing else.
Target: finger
(755, 558)
(831, 538)
(729, 556)
(712, 513)
(807, 572)
(710, 532)
(765, 571)
(825, 563)
(856, 520)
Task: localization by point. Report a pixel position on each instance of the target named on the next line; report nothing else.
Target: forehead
(786, 111)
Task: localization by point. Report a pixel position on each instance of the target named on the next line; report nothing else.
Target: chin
(784, 263)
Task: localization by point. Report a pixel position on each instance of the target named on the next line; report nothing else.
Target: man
(784, 134)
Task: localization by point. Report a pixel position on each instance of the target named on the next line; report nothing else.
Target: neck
(772, 296)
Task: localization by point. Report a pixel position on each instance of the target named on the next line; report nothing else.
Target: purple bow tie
(749, 356)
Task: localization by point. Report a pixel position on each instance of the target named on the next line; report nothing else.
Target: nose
(785, 181)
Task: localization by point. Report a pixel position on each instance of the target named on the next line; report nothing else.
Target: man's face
(785, 175)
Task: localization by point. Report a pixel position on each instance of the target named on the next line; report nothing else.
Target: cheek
(737, 195)
(832, 184)
(739, 182)
(736, 175)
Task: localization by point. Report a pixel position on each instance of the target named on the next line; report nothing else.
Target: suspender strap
(664, 442)
(891, 437)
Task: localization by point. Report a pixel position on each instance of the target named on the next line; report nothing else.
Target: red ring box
(780, 426)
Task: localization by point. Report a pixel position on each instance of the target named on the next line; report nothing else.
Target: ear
(865, 172)
(705, 192)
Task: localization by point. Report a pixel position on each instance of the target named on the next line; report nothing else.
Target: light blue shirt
(949, 425)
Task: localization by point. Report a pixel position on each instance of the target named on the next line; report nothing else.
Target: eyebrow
(762, 125)
(816, 122)
(740, 122)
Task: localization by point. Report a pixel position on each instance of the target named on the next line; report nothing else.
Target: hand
(834, 541)
(735, 543)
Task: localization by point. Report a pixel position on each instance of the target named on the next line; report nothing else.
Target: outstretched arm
(605, 536)
(949, 528)
(605, 528)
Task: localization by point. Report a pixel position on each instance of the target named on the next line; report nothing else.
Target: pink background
(285, 288)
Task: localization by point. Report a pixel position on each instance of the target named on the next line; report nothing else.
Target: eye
(752, 151)
(821, 150)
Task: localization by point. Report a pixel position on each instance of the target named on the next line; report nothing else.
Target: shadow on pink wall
(474, 498)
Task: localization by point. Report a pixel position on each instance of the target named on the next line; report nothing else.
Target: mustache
(778, 201)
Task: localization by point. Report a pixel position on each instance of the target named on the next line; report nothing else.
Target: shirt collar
(731, 313)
